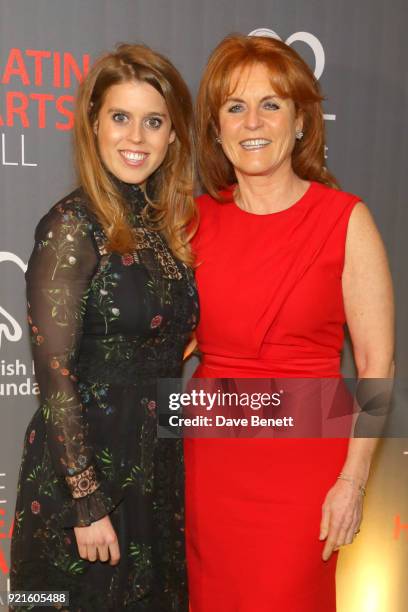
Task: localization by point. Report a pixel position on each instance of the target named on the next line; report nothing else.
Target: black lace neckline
(132, 193)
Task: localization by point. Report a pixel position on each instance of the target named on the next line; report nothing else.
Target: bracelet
(360, 487)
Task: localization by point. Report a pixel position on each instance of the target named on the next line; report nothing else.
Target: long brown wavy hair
(170, 192)
(290, 77)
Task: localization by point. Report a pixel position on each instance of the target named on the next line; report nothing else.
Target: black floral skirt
(142, 483)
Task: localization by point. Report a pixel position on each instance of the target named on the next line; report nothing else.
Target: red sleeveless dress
(271, 306)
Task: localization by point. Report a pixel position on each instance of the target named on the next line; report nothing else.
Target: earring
(218, 139)
(299, 135)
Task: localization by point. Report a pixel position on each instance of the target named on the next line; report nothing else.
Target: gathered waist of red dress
(272, 360)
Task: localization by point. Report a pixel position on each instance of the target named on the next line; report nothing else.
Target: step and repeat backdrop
(357, 50)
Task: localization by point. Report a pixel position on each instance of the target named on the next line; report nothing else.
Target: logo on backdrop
(306, 37)
(11, 330)
(16, 376)
(309, 39)
(38, 88)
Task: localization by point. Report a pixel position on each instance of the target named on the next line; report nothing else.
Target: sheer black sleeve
(58, 277)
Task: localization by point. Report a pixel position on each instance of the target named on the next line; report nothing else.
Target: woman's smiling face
(257, 127)
(133, 131)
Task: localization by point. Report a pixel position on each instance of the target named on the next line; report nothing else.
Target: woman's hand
(98, 541)
(341, 516)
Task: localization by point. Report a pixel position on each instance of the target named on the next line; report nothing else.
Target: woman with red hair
(285, 259)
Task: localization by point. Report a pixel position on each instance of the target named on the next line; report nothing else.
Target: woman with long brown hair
(112, 303)
(285, 259)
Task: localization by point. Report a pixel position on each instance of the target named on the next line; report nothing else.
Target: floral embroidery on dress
(102, 286)
(104, 327)
(156, 321)
(141, 573)
(63, 244)
(44, 478)
(128, 259)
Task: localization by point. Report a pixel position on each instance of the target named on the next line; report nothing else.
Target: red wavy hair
(290, 77)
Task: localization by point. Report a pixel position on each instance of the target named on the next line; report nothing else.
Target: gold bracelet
(360, 487)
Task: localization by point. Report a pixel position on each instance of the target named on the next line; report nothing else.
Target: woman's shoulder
(336, 197)
(75, 205)
(64, 241)
(205, 202)
(208, 205)
(331, 208)
(71, 211)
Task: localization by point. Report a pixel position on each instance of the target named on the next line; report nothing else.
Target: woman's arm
(369, 307)
(58, 277)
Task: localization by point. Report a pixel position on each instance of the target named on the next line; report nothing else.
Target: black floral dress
(104, 328)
